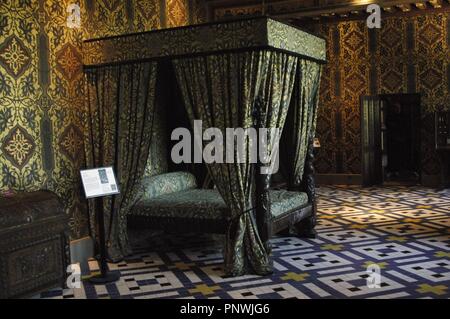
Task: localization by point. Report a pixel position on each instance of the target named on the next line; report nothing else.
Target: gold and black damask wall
(409, 54)
(42, 90)
(40, 102)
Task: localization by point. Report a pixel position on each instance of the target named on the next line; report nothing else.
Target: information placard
(99, 182)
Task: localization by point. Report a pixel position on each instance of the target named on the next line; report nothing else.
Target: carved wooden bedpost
(262, 185)
(305, 228)
(263, 214)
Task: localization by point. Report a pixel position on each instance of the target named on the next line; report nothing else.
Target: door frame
(371, 157)
(369, 179)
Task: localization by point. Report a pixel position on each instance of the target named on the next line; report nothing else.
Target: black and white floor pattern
(401, 231)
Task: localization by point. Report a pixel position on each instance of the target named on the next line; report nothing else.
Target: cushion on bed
(192, 203)
(283, 201)
(208, 204)
(168, 183)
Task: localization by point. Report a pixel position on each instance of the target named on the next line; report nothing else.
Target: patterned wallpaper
(407, 55)
(41, 87)
(114, 17)
(40, 105)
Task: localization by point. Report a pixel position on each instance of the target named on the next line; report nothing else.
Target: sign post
(97, 183)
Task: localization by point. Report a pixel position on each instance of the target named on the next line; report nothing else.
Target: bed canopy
(244, 73)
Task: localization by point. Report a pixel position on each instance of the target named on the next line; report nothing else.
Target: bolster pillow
(168, 183)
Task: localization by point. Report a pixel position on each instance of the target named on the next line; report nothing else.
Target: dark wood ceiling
(317, 10)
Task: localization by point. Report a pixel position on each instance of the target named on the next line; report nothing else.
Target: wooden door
(371, 157)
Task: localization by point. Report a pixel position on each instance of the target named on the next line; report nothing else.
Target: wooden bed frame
(300, 221)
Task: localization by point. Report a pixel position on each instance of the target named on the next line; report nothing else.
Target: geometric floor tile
(339, 210)
(445, 222)
(403, 230)
(289, 243)
(441, 242)
(346, 236)
(355, 284)
(387, 251)
(435, 270)
(315, 260)
(369, 218)
(326, 223)
(382, 205)
(429, 200)
(419, 213)
(284, 291)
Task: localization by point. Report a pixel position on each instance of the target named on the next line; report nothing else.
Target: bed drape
(275, 93)
(300, 125)
(119, 121)
(221, 90)
(274, 98)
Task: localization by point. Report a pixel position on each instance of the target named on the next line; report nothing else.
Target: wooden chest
(34, 245)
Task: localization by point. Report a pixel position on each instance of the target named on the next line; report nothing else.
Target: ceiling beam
(294, 9)
(346, 7)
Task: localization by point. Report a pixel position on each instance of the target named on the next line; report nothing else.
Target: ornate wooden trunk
(34, 246)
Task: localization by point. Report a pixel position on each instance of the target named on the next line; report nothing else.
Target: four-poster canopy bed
(255, 72)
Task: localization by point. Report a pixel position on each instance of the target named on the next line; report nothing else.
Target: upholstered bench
(173, 202)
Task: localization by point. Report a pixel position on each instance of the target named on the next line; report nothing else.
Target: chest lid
(29, 207)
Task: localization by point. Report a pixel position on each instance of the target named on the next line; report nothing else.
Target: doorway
(390, 139)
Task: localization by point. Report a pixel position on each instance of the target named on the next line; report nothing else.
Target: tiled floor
(403, 231)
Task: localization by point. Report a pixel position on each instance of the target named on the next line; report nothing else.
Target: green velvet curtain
(221, 90)
(119, 122)
(275, 91)
(300, 125)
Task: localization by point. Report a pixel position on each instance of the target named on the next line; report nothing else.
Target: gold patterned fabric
(275, 92)
(221, 90)
(174, 195)
(301, 124)
(120, 115)
(254, 33)
(166, 184)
